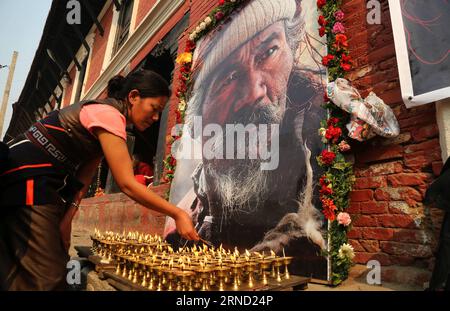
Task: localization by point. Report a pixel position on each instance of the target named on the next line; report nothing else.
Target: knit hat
(253, 18)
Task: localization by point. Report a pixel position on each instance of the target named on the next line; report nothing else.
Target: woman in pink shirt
(49, 169)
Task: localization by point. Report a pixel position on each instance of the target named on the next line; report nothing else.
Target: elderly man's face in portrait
(250, 85)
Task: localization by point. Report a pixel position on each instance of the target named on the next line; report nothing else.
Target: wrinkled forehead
(248, 52)
(244, 25)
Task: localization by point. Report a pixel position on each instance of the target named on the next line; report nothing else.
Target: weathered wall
(390, 222)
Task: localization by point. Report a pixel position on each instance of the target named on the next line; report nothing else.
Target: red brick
(380, 169)
(425, 132)
(403, 260)
(353, 208)
(390, 63)
(392, 96)
(365, 221)
(408, 179)
(355, 233)
(381, 195)
(411, 236)
(425, 146)
(99, 49)
(401, 276)
(370, 246)
(383, 153)
(356, 246)
(437, 167)
(370, 182)
(378, 233)
(408, 194)
(374, 207)
(417, 121)
(396, 221)
(363, 258)
(399, 207)
(143, 9)
(402, 138)
(405, 113)
(434, 155)
(423, 189)
(417, 160)
(361, 195)
(406, 249)
(383, 53)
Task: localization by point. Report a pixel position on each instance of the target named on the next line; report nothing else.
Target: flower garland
(338, 178)
(337, 181)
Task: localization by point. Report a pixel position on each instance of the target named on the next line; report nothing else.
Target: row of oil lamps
(153, 264)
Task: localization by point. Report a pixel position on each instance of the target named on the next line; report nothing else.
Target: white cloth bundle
(369, 116)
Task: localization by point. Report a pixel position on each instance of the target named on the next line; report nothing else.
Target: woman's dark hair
(147, 82)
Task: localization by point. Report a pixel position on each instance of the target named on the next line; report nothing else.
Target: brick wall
(99, 49)
(144, 7)
(69, 88)
(390, 222)
(117, 212)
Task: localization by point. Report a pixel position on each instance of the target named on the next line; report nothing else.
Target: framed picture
(422, 43)
(246, 162)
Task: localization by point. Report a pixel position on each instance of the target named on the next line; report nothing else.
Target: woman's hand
(185, 227)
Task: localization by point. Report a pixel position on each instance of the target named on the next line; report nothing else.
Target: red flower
(346, 67)
(219, 15)
(327, 157)
(184, 69)
(333, 133)
(182, 88)
(346, 58)
(326, 190)
(322, 21)
(182, 77)
(321, 3)
(327, 59)
(322, 31)
(328, 209)
(323, 181)
(325, 97)
(221, 2)
(340, 41)
(332, 121)
(173, 162)
(190, 45)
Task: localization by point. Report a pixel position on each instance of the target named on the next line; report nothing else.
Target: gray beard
(240, 185)
(239, 189)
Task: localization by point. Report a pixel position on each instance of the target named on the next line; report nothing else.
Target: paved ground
(355, 282)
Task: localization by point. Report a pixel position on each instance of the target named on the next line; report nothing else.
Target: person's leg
(441, 271)
(35, 257)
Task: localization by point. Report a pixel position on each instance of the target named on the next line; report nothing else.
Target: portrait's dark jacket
(438, 195)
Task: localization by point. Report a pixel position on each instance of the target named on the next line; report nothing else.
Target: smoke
(305, 223)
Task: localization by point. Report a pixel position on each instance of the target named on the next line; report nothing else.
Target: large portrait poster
(422, 43)
(246, 163)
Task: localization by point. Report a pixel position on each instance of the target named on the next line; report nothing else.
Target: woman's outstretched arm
(119, 161)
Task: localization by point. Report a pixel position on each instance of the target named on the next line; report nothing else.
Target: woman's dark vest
(60, 144)
(66, 139)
